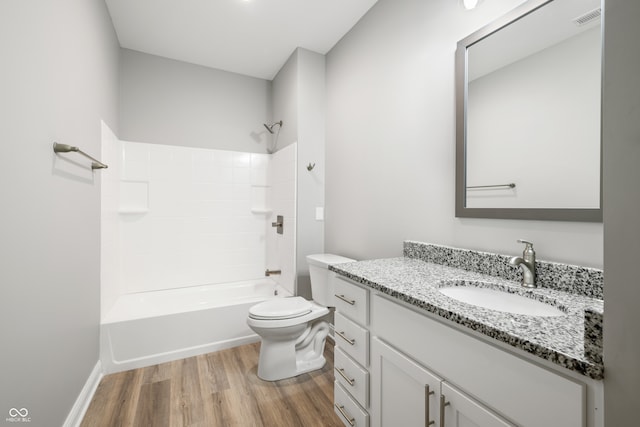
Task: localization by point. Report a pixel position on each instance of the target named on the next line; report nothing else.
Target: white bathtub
(147, 328)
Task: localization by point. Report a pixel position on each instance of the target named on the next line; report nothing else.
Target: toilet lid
(281, 308)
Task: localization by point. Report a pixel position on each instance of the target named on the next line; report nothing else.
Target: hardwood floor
(215, 389)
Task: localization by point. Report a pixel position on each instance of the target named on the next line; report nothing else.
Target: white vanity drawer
(352, 339)
(348, 410)
(352, 377)
(352, 300)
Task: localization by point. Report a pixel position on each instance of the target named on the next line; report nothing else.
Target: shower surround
(180, 217)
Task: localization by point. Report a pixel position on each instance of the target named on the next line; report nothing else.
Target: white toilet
(292, 337)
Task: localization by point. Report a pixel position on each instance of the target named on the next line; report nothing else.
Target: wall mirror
(528, 114)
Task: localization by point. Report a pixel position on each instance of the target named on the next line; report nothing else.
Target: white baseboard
(84, 398)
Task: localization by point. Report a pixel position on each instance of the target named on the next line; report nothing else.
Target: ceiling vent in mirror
(588, 17)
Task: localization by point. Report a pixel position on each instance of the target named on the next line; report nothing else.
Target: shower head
(270, 127)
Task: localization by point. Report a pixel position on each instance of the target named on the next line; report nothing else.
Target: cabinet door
(403, 393)
(460, 410)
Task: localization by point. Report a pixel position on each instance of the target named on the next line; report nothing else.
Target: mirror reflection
(532, 113)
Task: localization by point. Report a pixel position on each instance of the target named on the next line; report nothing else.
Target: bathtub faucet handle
(268, 272)
(279, 224)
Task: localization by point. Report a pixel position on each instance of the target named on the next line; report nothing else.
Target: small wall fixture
(279, 224)
(64, 148)
(310, 167)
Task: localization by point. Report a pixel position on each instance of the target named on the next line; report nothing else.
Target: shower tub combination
(148, 328)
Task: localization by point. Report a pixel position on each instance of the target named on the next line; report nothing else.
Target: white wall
(391, 141)
(163, 101)
(59, 80)
(536, 123)
(281, 248)
(178, 216)
(190, 216)
(621, 145)
(111, 283)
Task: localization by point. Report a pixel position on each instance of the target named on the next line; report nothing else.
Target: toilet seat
(316, 311)
(281, 308)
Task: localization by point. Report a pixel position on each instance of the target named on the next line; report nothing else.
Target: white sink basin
(494, 299)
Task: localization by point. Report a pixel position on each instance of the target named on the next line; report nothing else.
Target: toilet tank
(322, 280)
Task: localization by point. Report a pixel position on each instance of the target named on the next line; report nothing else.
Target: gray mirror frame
(583, 215)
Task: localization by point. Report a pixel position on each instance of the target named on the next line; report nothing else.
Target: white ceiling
(251, 37)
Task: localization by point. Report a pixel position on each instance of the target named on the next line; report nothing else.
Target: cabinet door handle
(341, 335)
(343, 298)
(343, 375)
(351, 421)
(427, 416)
(443, 404)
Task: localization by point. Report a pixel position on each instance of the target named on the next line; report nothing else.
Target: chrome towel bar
(510, 185)
(64, 148)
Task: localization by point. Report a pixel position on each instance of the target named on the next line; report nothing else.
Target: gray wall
(299, 99)
(311, 141)
(391, 141)
(285, 102)
(58, 80)
(621, 144)
(163, 101)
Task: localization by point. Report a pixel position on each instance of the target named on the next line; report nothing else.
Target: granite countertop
(559, 339)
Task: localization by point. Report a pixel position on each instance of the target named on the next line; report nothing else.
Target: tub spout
(268, 272)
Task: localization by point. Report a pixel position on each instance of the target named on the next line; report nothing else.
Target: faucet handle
(529, 254)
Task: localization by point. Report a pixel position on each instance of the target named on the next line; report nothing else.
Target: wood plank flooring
(215, 389)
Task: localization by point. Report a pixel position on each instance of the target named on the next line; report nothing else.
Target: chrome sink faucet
(528, 263)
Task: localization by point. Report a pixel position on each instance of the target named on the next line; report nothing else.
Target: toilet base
(286, 358)
(310, 365)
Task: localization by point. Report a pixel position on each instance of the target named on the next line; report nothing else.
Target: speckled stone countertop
(567, 340)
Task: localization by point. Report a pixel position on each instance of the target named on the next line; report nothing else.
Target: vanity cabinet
(460, 410)
(351, 353)
(418, 363)
(403, 392)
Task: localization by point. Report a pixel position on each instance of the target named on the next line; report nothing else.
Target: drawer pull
(343, 375)
(427, 392)
(351, 421)
(343, 298)
(341, 335)
(443, 403)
